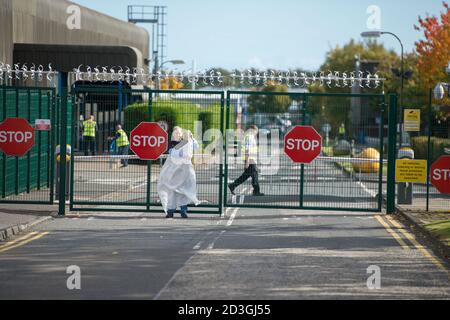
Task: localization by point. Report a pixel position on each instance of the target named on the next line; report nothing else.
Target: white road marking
(198, 245)
(90, 218)
(364, 187)
(139, 186)
(211, 245)
(233, 215)
(172, 278)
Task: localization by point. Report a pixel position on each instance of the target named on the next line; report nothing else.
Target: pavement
(417, 221)
(16, 218)
(246, 254)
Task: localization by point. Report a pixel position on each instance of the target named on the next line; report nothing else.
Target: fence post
(221, 173)
(149, 162)
(392, 147)
(4, 115)
(302, 166)
(63, 144)
(430, 99)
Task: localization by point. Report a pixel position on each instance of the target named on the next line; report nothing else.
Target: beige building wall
(45, 22)
(6, 33)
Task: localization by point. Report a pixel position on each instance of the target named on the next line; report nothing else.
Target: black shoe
(258, 194)
(184, 216)
(230, 186)
(169, 216)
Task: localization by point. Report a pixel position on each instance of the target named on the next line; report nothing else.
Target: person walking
(123, 145)
(89, 133)
(177, 184)
(250, 155)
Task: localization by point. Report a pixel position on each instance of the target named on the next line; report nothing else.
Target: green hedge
(175, 113)
(420, 147)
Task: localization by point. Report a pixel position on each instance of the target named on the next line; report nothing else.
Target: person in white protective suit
(177, 184)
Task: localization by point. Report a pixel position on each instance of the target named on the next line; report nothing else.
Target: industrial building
(36, 31)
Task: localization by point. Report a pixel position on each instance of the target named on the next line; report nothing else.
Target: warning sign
(412, 119)
(413, 171)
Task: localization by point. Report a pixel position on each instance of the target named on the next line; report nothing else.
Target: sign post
(148, 140)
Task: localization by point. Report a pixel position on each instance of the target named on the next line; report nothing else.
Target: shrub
(135, 114)
(420, 147)
(206, 117)
(166, 114)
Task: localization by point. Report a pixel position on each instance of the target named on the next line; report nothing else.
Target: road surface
(248, 254)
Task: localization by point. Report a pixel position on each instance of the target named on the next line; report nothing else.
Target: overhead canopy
(67, 57)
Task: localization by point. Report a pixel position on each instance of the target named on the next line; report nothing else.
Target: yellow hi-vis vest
(89, 128)
(250, 147)
(123, 139)
(341, 130)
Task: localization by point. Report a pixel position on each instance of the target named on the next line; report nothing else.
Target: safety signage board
(16, 136)
(302, 144)
(148, 140)
(412, 171)
(42, 125)
(440, 174)
(411, 119)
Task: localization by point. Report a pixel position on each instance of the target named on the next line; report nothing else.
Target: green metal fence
(347, 176)
(29, 179)
(101, 182)
(430, 143)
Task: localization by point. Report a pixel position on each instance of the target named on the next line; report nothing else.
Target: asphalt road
(248, 254)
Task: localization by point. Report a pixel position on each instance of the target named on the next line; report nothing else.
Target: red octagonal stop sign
(440, 174)
(16, 136)
(302, 144)
(148, 140)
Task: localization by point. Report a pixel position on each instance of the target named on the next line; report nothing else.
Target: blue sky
(277, 34)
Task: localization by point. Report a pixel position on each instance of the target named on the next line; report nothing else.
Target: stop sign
(440, 174)
(302, 144)
(16, 136)
(148, 140)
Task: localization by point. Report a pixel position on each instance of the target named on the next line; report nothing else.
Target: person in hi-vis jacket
(250, 155)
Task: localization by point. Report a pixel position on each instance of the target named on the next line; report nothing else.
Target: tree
(343, 59)
(434, 55)
(270, 103)
(171, 83)
(434, 49)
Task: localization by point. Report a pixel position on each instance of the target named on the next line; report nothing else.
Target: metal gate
(347, 176)
(100, 182)
(29, 179)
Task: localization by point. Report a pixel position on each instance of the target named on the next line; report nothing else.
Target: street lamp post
(378, 34)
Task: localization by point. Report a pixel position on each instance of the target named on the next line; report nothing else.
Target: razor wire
(141, 76)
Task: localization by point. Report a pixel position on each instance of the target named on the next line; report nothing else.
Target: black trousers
(89, 144)
(251, 171)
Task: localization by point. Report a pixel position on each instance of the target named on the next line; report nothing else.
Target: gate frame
(390, 182)
(224, 122)
(51, 97)
(147, 206)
